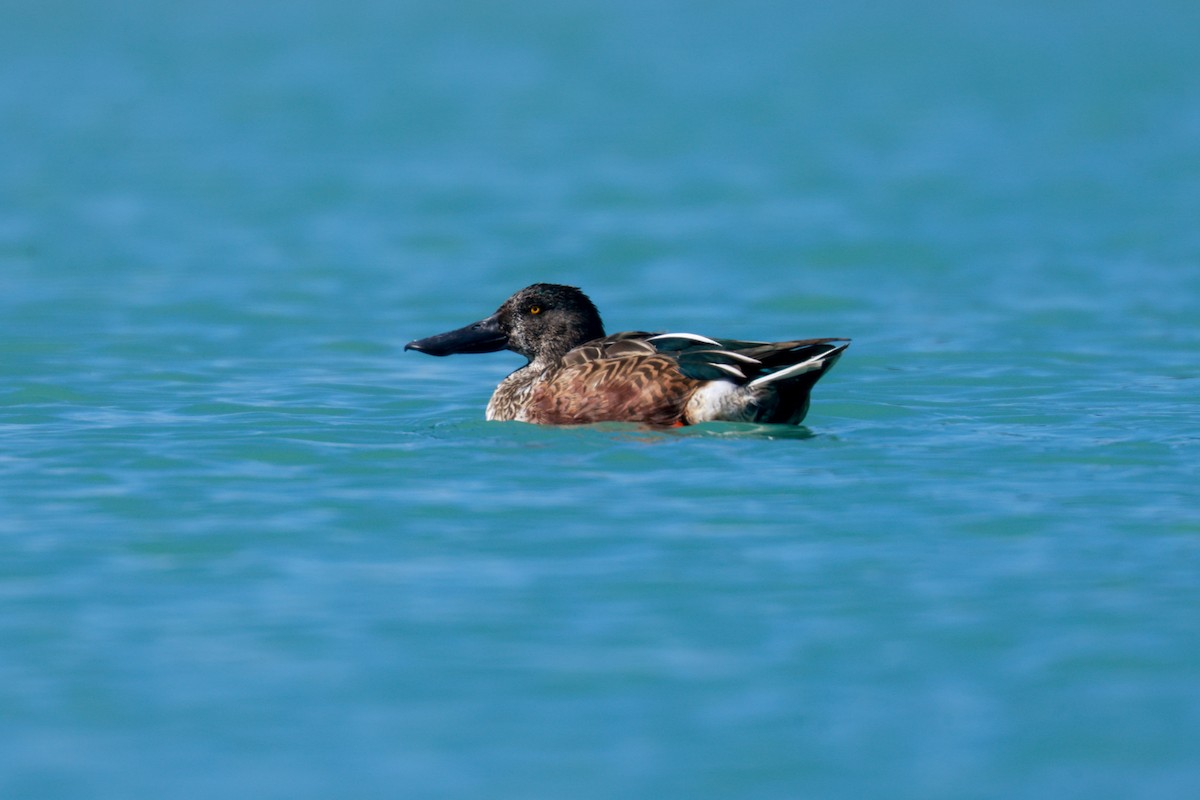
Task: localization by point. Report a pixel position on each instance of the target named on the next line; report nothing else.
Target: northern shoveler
(576, 374)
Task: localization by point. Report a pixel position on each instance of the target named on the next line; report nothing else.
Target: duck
(576, 374)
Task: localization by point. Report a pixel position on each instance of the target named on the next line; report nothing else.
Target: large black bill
(484, 336)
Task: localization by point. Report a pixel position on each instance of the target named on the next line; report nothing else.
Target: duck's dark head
(541, 322)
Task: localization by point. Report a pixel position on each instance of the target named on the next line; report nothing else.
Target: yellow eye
(535, 309)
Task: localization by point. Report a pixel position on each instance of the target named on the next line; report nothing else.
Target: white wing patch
(793, 370)
(745, 359)
(695, 337)
(734, 371)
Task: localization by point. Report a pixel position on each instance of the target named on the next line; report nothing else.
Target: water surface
(249, 547)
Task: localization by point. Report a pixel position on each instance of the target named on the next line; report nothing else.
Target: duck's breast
(648, 389)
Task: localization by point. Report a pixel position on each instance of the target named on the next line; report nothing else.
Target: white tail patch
(715, 400)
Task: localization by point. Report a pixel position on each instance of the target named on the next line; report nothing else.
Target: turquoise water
(250, 548)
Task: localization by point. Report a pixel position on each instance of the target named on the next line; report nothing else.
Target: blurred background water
(250, 548)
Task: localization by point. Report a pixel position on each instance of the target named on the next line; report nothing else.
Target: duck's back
(669, 379)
